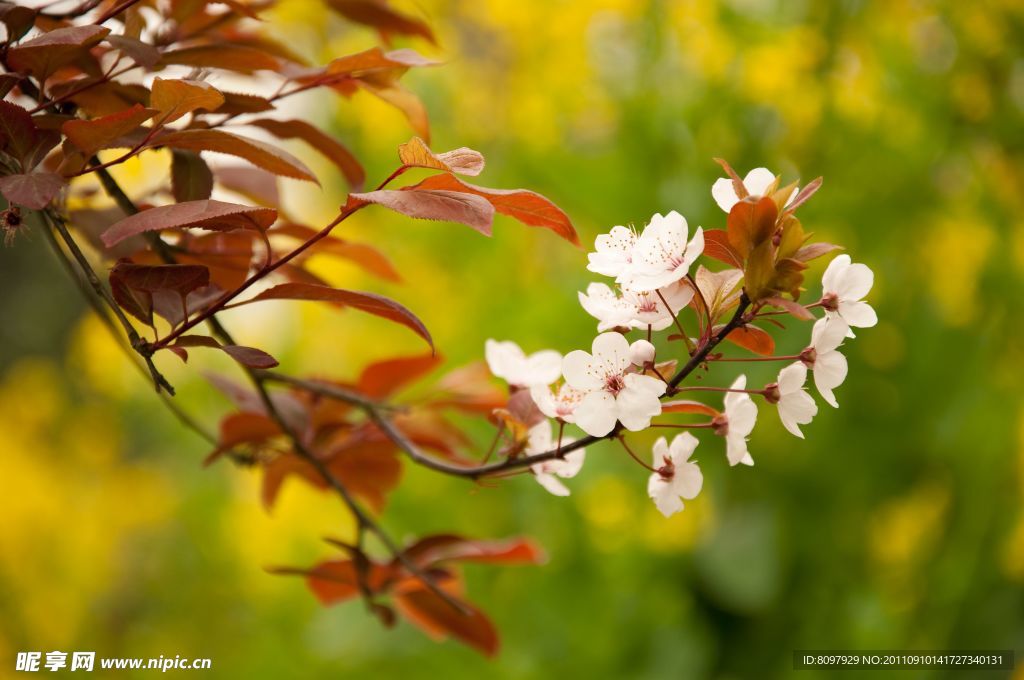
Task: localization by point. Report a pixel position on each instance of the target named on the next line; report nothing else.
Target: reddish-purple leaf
(814, 250)
(247, 356)
(263, 155)
(43, 55)
(33, 190)
(528, 207)
(430, 204)
(207, 214)
(381, 16)
(794, 308)
(238, 58)
(367, 302)
(333, 150)
(432, 550)
(804, 194)
(17, 130)
(191, 179)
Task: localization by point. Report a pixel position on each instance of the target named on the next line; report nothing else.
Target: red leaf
(384, 378)
(451, 206)
(208, 214)
(176, 98)
(440, 619)
(259, 186)
(432, 550)
(43, 55)
(34, 190)
(380, 15)
(687, 406)
(181, 278)
(338, 580)
(92, 135)
(141, 53)
(243, 428)
(737, 182)
(716, 245)
(754, 339)
(367, 302)
(463, 161)
(268, 157)
(528, 207)
(332, 149)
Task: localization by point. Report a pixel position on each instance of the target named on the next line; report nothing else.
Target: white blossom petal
(688, 480)
(855, 282)
(614, 251)
(578, 369)
(758, 180)
(829, 373)
(828, 333)
(551, 483)
(597, 413)
(858, 313)
(795, 409)
(830, 279)
(792, 377)
(664, 496)
(724, 193)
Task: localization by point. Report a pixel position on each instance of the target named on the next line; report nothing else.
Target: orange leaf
(383, 378)
(338, 580)
(750, 224)
(439, 619)
(716, 245)
(754, 339)
(687, 406)
(432, 550)
(238, 58)
(268, 157)
(176, 98)
(402, 99)
(528, 207)
(463, 161)
(92, 135)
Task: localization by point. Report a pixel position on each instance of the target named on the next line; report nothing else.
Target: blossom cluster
(620, 385)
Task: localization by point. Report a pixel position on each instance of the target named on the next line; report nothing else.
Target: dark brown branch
(56, 222)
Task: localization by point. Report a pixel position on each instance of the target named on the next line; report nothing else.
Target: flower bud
(641, 353)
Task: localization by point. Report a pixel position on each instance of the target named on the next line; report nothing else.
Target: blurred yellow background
(897, 524)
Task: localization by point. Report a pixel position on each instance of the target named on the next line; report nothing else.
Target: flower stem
(622, 440)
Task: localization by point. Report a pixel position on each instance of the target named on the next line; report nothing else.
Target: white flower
(547, 472)
(662, 255)
(822, 356)
(507, 361)
(739, 418)
(635, 310)
(614, 251)
(676, 477)
(559, 405)
(612, 394)
(641, 353)
(845, 284)
(796, 407)
(756, 183)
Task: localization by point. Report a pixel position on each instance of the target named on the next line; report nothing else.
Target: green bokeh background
(897, 523)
